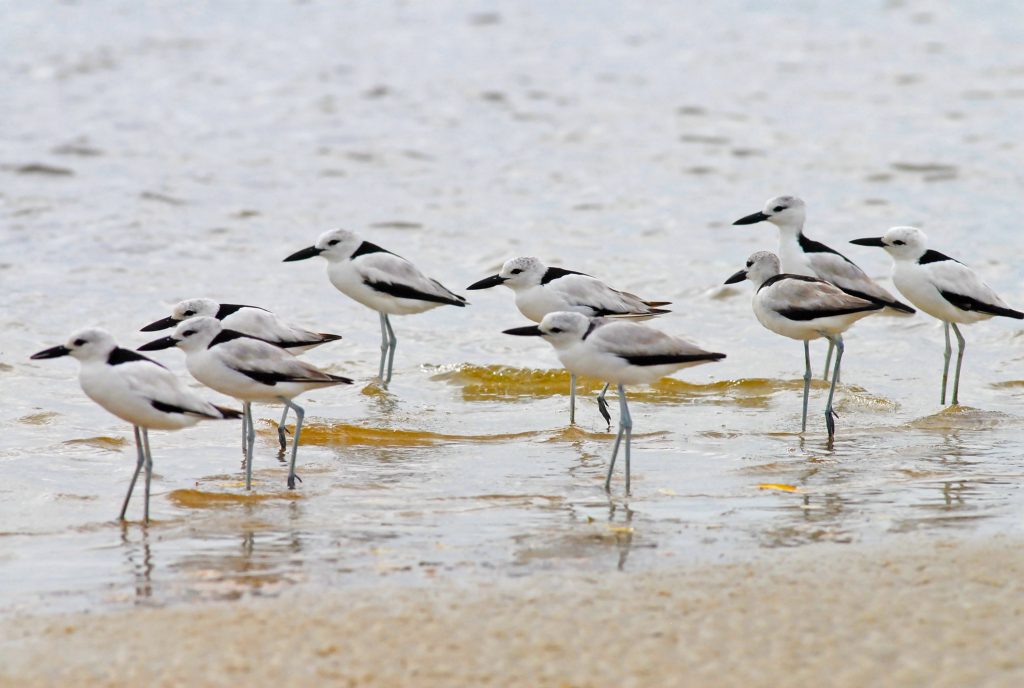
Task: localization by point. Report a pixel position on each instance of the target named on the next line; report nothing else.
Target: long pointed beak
(869, 241)
(52, 352)
(488, 282)
(157, 344)
(737, 276)
(528, 331)
(161, 324)
(751, 219)
(308, 252)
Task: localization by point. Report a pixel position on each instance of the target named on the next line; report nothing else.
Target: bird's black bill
(157, 344)
(751, 219)
(310, 252)
(488, 282)
(161, 324)
(738, 276)
(869, 241)
(52, 352)
(528, 331)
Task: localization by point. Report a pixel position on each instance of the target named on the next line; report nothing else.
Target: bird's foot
(291, 481)
(602, 406)
(830, 423)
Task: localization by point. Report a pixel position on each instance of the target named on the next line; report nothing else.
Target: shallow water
(148, 156)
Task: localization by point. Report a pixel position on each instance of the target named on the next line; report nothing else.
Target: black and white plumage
(803, 308)
(618, 352)
(801, 255)
(540, 290)
(942, 287)
(251, 320)
(380, 280)
(247, 369)
(136, 389)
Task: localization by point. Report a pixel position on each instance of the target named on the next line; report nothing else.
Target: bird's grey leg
(945, 365)
(299, 415)
(959, 360)
(149, 473)
(830, 414)
(250, 441)
(626, 421)
(383, 347)
(572, 399)
(615, 452)
(602, 405)
(135, 476)
(828, 359)
(392, 344)
(282, 434)
(807, 382)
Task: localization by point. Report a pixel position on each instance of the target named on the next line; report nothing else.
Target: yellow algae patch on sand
(963, 418)
(41, 418)
(781, 487)
(506, 382)
(108, 443)
(328, 434)
(198, 499)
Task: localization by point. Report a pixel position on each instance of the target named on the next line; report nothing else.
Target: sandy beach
(923, 612)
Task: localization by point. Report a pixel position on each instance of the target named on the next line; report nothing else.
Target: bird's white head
(561, 328)
(194, 308)
(785, 212)
(902, 243)
(526, 271)
(761, 266)
(335, 245)
(90, 344)
(196, 333)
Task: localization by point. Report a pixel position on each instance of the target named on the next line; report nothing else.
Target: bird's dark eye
(79, 342)
(190, 313)
(188, 333)
(778, 208)
(333, 242)
(516, 271)
(750, 263)
(899, 242)
(555, 330)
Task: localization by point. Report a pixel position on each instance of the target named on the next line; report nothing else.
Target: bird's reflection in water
(620, 520)
(139, 559)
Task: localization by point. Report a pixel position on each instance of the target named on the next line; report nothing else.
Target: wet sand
(913, 612)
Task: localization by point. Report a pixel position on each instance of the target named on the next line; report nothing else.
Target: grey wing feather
(387, 267)
(847, 276)
(156, 383)
(624, 338)
(259, 356)
(602, 299)
(811, 296)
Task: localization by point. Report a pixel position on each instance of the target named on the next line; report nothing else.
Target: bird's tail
(227, 413)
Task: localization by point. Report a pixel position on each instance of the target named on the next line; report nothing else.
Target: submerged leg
(282, 434)
(959, 360)
(383, 347)
(392, 344)
(135, 476)
(299, 415)
(626, 421)
(149, 472)
(945, 365)
(807, 382)
(572, 399)
(250, 441)
(602, 405)
(828, 359)
(611, 464)
(830, 414)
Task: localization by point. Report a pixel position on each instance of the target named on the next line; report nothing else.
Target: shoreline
(923, 611)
